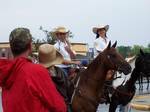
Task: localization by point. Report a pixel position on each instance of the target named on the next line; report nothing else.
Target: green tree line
(131, 51)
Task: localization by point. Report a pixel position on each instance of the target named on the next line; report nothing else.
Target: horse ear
(141, 52)
(109, 45)
(114, 45)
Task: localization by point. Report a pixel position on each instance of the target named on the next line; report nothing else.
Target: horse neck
(134, 76)
(97, 72)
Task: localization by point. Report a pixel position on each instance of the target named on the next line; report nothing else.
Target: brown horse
(90, 82)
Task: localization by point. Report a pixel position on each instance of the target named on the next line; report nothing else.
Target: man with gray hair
(27, 87)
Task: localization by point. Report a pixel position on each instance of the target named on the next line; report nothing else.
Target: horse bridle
(111, 62)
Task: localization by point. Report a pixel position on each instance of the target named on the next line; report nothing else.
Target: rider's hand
(68, 49)
(77, 62)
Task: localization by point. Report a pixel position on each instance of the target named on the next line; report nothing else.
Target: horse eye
(112, 55)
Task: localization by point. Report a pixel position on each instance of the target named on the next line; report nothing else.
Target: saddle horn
(114, 45)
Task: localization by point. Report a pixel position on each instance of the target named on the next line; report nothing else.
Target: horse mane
(141, 58)
(131, 59)
(95, 63)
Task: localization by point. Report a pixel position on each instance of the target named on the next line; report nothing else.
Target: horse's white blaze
(124, 78)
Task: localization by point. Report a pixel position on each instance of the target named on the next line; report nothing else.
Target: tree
(147, 49)
(36, 44)
(50, 37)
(128, 50)
(124, 50)
(149, 45)
(136, 48)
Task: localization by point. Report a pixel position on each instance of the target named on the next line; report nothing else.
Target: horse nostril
(126, 69)
(129, 67)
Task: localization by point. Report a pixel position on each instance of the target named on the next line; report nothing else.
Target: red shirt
(27, 87)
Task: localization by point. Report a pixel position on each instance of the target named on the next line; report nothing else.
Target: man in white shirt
(64, 47)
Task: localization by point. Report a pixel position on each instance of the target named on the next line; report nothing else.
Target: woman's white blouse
(100, 45)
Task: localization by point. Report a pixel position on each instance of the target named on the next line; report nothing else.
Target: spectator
(27, 87)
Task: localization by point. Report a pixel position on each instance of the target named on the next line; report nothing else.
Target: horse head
(142, 63)
(114, 60)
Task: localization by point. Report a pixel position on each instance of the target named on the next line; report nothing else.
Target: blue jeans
(66, 71)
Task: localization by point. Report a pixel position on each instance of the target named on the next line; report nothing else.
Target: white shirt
(99, 45)
(60, 46)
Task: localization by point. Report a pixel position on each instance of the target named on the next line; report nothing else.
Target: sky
(129, 20)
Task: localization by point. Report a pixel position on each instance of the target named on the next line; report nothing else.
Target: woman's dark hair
(97, 35)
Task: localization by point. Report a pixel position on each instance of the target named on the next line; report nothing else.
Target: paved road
(146, 100)
(104, 108)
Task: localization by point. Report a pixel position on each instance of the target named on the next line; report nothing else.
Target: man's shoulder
(35, 71)
(34, 67)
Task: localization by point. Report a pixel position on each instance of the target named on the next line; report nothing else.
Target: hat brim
(54, 33)
(101, 27)
(58, 60)
(62, 32)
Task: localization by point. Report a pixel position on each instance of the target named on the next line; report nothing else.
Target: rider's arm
(67, 62)
(70, 52)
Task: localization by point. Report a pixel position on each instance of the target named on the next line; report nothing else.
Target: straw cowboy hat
(49, 56)
(106, 27)
(60, 29)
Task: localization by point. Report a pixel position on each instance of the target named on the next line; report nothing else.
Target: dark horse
(124, 93)
(90, 82)
(140, 80)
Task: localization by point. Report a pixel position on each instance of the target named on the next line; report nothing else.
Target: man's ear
(30, 47)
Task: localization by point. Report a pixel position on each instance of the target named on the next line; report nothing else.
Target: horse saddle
(63, 85)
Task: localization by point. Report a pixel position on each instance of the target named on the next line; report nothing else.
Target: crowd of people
(28, 86)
